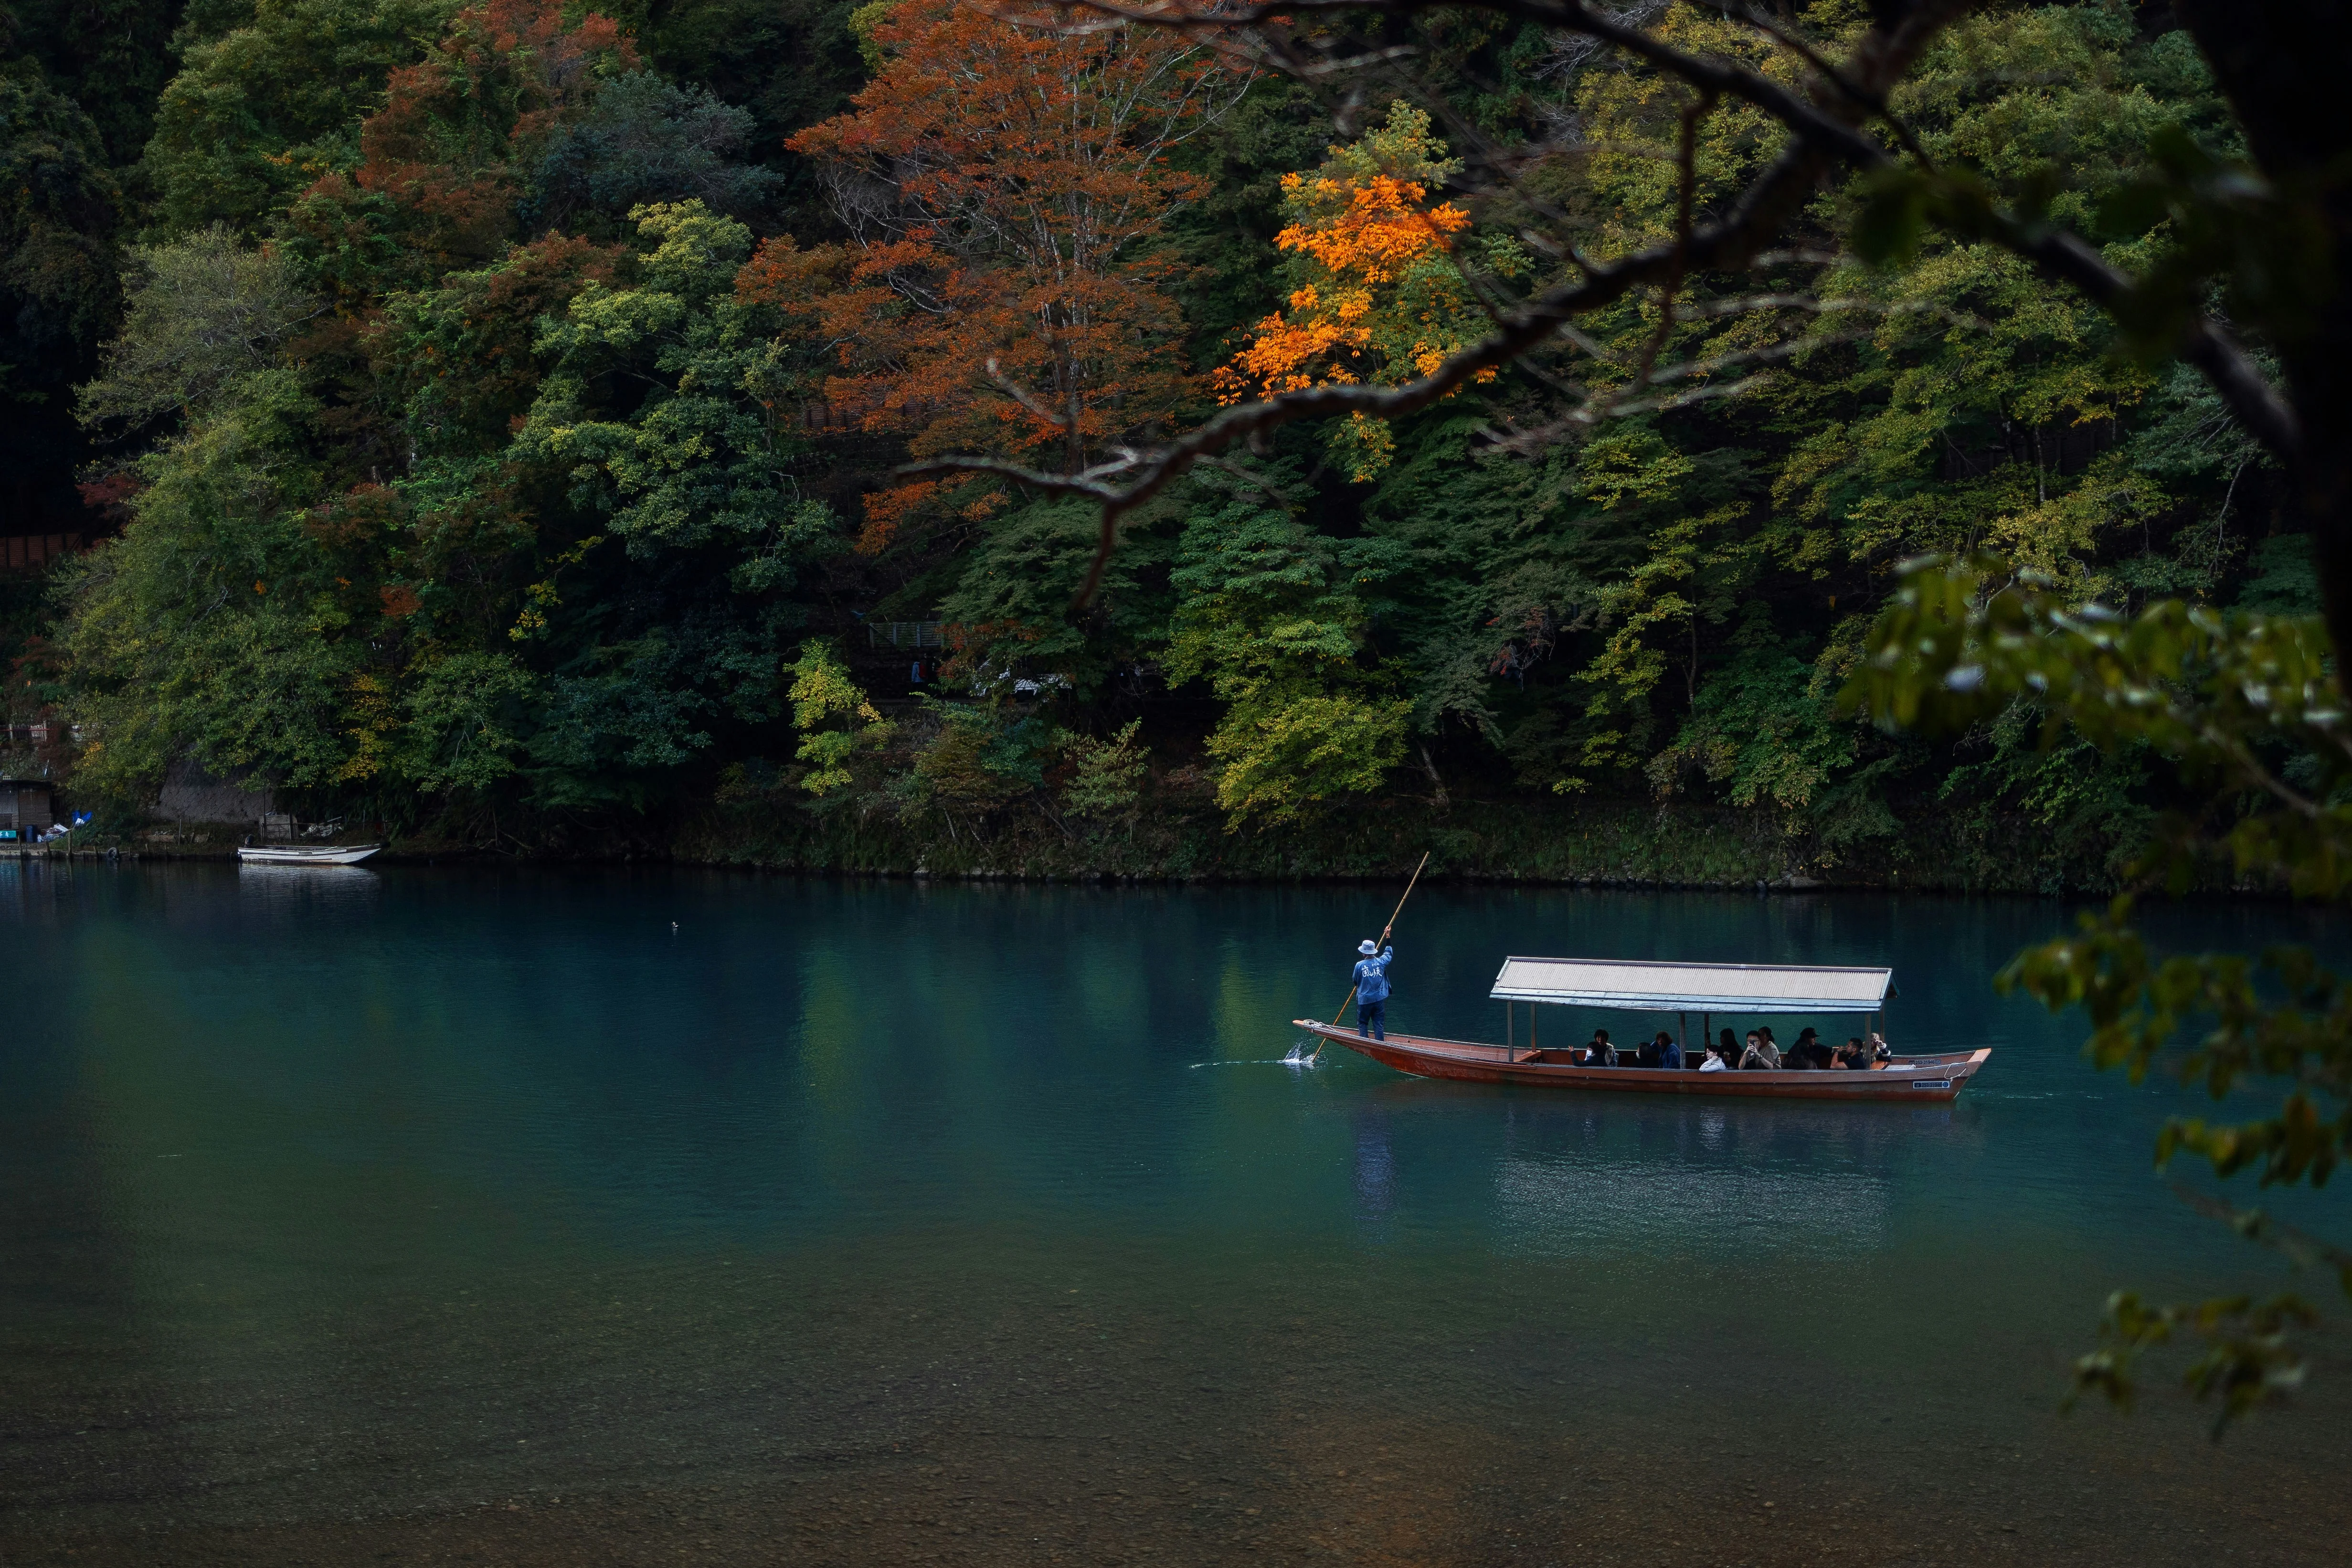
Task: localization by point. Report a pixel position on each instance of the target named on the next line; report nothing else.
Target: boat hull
(1915, 1079)
(305, 854)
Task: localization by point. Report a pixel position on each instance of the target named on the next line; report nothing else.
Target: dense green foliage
(466, 407)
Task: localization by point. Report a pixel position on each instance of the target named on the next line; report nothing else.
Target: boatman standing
(1373, 986)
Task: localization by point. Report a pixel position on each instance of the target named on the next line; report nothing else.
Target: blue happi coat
(1372, 976)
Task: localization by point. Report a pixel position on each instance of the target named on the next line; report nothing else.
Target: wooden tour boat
(1737, 991)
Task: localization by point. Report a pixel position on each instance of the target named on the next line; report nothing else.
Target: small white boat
(305, 854)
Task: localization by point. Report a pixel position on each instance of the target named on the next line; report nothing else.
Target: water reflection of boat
(1741, 990)
(1576, 1204)
(305, 854)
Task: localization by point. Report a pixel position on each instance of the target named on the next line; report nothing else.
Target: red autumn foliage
(1003, 180)
(109, 496)
(970, 646)
(357, 517)
(455, 127)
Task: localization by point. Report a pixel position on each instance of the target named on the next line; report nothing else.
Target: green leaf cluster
(2248, 709)
(1271, 616)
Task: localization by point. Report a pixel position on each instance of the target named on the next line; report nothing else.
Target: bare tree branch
(2205, 343)
(1686, 195)
(1716, 245)
(1825, 136)
(2300, 1247)
(1707, 73)
(1876, 102)
(1021, 395)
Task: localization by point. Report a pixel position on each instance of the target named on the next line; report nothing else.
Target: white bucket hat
(1367, 946)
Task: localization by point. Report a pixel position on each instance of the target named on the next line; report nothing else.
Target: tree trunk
(2281, 63)
(1435, 783)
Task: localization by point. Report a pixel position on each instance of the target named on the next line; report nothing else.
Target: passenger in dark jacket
(1669, 1055)
(1599, 1053)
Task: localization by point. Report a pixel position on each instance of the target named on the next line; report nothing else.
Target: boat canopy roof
(1638, 985)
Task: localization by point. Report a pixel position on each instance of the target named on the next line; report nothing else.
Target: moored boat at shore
(305, 854)
(1710, 990)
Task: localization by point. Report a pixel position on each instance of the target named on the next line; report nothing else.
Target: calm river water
(661, 1216)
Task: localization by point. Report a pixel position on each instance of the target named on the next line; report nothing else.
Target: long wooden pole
(1384, 936)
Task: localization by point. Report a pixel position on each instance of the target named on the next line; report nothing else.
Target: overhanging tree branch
(1826, 136)
(1518, 333)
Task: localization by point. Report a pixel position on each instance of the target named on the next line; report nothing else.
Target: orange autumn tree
(1003, 180)
(1376, 295)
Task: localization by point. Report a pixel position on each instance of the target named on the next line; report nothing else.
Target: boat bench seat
(1550, 1057)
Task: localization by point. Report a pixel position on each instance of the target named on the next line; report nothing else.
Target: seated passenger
(1601, 1053)
(1714, 1061)
(1727, 1045)
(1761, 1055)
(1646, 1052)
(1853, 1056)
(1669, 1055)
(1810, 1051)
(1879, 1055)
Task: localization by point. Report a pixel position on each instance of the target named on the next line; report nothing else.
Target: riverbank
(1542, 842)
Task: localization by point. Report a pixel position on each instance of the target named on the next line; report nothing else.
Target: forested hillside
(497, 420)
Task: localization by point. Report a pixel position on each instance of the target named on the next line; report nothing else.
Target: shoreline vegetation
(1486, 841)
(1501, 841)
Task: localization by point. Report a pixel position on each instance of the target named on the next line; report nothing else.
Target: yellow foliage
(823, 693)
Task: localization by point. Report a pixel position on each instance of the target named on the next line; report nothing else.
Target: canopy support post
(1682, 1019)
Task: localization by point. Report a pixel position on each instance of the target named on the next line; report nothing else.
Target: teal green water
(984, 1222)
